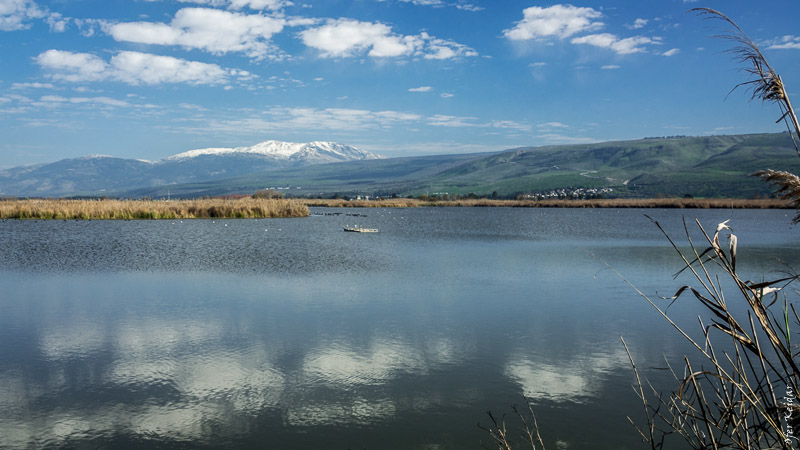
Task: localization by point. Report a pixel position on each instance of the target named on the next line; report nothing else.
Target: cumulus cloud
(620, 46)
(347, 38)
(212, 30)
(15, 14)
(560, 21)
(421, 89)
(132, 68)
(671, 52)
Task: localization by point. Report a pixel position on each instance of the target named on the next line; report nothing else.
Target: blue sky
(148, 79)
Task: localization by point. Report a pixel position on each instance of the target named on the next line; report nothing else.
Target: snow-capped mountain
(97, 174)
(308, 153)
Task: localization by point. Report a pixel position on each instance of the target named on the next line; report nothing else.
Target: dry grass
(596, 203)
(150, 209)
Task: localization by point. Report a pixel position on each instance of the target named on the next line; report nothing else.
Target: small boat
(360, 229)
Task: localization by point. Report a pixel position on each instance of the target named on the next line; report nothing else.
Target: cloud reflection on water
(180, 375)
(574, 380)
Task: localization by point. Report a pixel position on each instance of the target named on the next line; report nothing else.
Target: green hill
(715, 166)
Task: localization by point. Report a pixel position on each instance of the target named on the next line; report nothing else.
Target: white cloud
(57, 22)
(347, 38)
(32, 86)
(638, 23)
(610, 67)
(130, 67)
(15, 14)
(88, 27)
(107, 101)
(620, 46)
(440, 120)
(421, 89)
(74, 67)
(336, 119)
(136, 68)
(212, 30)
(271, 5)
(447, 95)
(469, 7)
(425, 2)
(786, 42)
(511, 125)
(561, 21)
(671, 52)
(552, 125)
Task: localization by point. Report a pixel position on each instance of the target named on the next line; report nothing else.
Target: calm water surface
(293, 334)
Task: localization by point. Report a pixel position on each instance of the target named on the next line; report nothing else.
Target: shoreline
(687, 203)
(244, 208)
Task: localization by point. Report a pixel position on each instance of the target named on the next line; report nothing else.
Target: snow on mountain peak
(312, 152)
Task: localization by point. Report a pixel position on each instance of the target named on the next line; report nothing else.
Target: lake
(292, 334)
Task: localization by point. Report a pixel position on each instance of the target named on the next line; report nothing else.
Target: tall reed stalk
(738, 388)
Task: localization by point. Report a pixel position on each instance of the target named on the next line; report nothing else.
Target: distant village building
(569, 193)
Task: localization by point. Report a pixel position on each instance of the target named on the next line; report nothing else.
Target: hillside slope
(714, 166)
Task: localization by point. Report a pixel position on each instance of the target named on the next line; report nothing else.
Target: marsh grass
(150, 209)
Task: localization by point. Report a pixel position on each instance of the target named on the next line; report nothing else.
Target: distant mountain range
(713, 166)
(99, 174)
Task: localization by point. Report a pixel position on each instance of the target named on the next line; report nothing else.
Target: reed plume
(788, 187)
(764, 83)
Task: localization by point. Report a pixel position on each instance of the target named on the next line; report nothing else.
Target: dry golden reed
(150, 209)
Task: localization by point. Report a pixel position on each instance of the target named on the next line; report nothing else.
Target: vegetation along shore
(242, 208)
(151, 209)
(701, 203)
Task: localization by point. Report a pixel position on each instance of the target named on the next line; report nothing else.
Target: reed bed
(738, 388)
(590, 203)
(150, 209)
